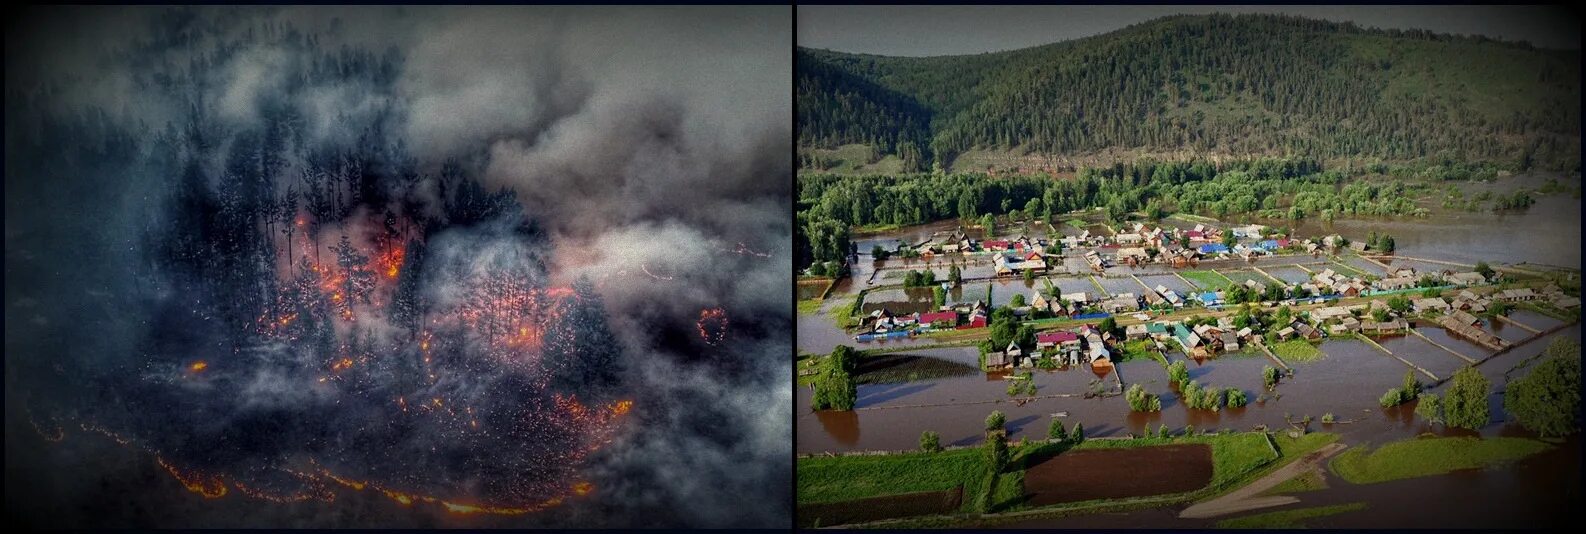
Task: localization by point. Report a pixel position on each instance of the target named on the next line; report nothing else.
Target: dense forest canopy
(1247, 85)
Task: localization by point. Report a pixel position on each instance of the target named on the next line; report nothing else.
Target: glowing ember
(712, 325)
(583, 488)
(198, 366)
(211, 487)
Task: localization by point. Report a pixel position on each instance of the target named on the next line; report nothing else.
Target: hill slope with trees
(1249, 85)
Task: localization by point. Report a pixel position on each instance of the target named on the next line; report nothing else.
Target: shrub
(1237, 398)
(1161, 431)
(1269, 376)
(930, 442)
(1392, 398)
(1142, 401)
(995, 421)
(1078, 435)
(1328, 418)
(1211, 399)
(1411, 388)
(1466, 403)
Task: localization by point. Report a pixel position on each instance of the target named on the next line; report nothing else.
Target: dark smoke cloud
(649, 145)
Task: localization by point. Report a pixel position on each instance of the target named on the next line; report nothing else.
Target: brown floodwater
(1546, 233)
(1347, 383)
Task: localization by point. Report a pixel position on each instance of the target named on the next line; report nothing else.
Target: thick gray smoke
(648, 149)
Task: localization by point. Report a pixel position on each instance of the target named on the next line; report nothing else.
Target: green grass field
(1210, 280)
(843, 478)
(1289, 518)
(1297, 350)
(843, 312)
(810, 306)
(1307, 481)
(1430, 456)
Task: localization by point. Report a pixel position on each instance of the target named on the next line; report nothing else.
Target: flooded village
(1340, 312)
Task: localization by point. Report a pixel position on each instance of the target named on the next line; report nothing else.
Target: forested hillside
(1224, 85)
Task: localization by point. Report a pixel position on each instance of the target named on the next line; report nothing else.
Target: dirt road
(1246, 498)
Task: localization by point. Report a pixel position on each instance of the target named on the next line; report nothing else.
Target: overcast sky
(947, 30)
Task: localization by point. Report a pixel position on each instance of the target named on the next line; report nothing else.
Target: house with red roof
(941, 318)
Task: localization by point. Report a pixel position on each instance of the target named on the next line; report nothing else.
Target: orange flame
(197, 366)
(212, 488)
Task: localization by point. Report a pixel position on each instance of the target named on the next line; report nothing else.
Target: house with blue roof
(1209, 299)
(1213, 248)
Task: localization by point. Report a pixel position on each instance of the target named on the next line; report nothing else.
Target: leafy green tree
(1142, 401)
(955, 275)
(1484, 269)
(1399, 304)
(1109, 325)
(1191, 393)
(1078, 435)
(1018, 301)
(1211, 399)
(930, 441)
(836, 390)
(1269, 376)
(1178, 373)
(939, 296)
(845, 359)
(1056, 430)
(1547, 400)
(1029, 275)
(1411, 387)
(1025, 336)
(1465, 403)
(1429, 408)
(997, 451)
(1237, 398)
(995, 421)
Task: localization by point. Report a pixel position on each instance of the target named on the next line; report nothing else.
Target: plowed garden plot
(1084, 475)
(879, 508)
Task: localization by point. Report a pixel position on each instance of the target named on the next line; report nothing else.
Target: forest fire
(211, 487)
(391, 262)
(712, 325)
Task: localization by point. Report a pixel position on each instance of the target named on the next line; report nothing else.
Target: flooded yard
(1169, 281)
(1346, 382)
(1118, 284)
(1291, 275)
